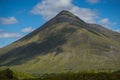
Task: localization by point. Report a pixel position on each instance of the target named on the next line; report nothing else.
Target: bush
(9, 73)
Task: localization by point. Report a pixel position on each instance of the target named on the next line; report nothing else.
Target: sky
(20, 17)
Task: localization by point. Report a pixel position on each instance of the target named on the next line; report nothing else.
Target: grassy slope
(77, 57)
(64, 44)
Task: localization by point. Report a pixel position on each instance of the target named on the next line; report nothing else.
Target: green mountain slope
(65, 43)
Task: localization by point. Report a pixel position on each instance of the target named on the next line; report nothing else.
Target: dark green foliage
(7, 74)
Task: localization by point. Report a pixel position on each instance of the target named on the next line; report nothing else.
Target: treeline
(80, 76)
(8, 74)
(83, 76)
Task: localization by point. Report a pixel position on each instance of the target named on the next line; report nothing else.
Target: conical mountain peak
(66, 13)
(63, 12)
(65, 43)
(66, 16)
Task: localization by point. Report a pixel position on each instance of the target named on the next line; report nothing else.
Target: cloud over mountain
(10, 35)
(49, 8)
(27, 29)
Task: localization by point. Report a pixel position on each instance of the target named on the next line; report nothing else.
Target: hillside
(65, 43)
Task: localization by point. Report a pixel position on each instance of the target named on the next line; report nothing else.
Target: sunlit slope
(65, 43)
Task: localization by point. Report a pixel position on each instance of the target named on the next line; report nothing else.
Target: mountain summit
(65, 12)
(65, 43)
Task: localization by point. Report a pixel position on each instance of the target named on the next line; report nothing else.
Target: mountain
(64, 43)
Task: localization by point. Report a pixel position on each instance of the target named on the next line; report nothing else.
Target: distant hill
(65, 43)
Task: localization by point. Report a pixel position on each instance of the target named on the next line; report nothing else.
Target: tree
(9, 73)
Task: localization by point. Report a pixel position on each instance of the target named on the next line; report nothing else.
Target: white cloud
(27, 29)
(106, 22)
(9, 20)
(84, 13)
(49, 8)
(10, 35)
(93, 1)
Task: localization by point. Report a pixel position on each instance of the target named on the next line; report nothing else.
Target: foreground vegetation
(80, 76)
(8, 74)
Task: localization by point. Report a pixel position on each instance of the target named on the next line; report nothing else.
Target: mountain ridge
(65, 43)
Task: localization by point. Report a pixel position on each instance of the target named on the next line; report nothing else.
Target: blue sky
(20, 17)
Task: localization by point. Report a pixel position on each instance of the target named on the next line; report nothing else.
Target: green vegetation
(83, 76)
(8, 74)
